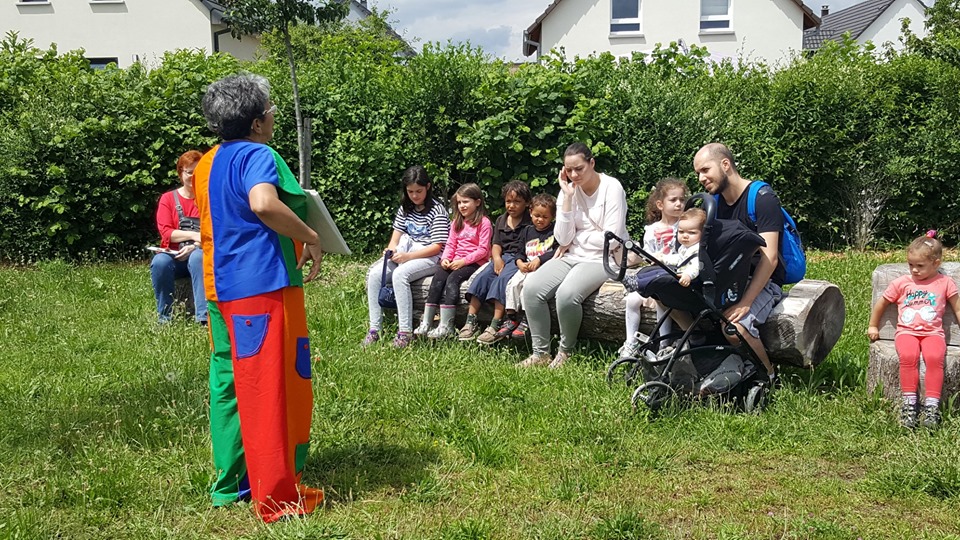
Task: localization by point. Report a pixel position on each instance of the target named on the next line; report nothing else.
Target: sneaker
(373, 336)
(506, 328)
(535, 359)
(468, 332)
(665, 352)
(931, 416)
(520, 332)
(402, 340)
(908, 415)
(422, 330)
(560, 359)
(489, 336)
(629, 349)
(442, 332)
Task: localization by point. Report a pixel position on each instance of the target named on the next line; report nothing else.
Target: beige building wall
(767, 29)
(887, 27)
(127, 30)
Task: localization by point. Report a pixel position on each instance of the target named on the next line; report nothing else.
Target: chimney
(363, 3)
(824, 11)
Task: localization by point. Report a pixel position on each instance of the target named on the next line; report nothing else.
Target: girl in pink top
(921, 298)
(467, 248)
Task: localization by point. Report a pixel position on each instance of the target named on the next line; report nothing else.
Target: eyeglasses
(272, 109)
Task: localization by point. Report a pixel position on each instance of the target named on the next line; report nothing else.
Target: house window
(101, 63)
(624, 16)
(716, 15)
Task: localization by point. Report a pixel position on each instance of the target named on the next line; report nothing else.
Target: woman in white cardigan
(589, 204)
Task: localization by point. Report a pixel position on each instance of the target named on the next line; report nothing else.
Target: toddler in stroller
(700, 362)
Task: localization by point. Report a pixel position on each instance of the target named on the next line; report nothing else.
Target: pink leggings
(934, 348)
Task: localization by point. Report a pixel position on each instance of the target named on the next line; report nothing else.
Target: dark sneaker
(402, 340)
(489, 336)
(373, 336)
(908, 416)
(506, 328)
(931, 416)
(520, 332)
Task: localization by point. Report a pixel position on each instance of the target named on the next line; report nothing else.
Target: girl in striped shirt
(419, 234)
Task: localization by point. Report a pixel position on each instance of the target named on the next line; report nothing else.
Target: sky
(495, 25)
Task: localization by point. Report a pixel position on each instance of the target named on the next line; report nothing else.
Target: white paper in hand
(320, 220)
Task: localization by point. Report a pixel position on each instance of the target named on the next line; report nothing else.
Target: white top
(658, 238)
(692, 268)
(583, 227)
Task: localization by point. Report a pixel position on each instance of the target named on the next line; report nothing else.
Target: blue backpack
(792, 257)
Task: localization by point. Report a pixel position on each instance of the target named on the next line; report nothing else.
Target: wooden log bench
(183, 295)
(883, 371)
(801, 331)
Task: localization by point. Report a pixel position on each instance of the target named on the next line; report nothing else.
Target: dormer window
(624, 16)
(716, 15)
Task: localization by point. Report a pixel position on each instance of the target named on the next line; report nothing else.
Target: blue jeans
(164, 269)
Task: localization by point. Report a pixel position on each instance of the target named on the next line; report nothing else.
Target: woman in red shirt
(178, 221)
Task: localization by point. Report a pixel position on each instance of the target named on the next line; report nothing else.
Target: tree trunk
(302, 143)
(802, 330)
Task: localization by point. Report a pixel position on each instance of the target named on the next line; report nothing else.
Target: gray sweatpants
(570, 283)
(401, 276)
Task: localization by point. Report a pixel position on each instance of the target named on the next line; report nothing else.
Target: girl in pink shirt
(467, 248)
(921, 298)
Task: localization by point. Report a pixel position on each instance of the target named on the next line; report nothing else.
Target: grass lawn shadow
(348, 472)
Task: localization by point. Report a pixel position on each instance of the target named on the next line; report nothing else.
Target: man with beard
(716, 171)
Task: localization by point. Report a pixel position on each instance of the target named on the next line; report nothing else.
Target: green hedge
(862, 147)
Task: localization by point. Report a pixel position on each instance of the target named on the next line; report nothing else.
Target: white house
(754, 29)
(127, 31)
(876, 21)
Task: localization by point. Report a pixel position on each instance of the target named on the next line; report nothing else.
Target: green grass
(103, 433)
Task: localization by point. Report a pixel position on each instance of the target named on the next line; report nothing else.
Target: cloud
(492, 40)
(495, 25)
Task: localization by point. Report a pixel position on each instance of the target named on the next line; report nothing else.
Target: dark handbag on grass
(386, 298)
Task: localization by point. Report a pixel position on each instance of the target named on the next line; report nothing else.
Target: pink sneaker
(402, 340)
(373, 336)
(520, 332)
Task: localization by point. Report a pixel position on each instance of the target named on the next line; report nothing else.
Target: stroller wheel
(652, 394)
(756, 399)
(627, 368)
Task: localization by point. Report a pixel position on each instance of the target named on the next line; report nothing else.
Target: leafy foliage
(861, 146)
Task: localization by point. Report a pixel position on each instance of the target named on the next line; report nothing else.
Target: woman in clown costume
(255, 243)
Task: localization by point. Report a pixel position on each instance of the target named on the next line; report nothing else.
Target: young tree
(943, 27)
(260, 16)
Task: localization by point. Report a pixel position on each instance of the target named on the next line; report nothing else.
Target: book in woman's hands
(320, 220)
(156, 249)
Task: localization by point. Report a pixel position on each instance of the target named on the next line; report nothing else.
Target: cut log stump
(801, 331)
(883, 370)
(183, 295)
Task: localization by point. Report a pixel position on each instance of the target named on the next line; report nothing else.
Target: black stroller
(712, 369)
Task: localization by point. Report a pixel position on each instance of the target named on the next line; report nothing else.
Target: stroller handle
(625, 246)
(709, 205)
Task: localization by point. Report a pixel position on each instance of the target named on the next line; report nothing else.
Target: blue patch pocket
(249, 333)
(303, 357)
